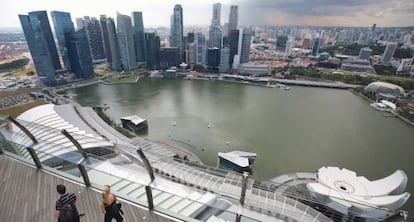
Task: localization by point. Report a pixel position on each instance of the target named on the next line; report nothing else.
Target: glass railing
(201, 189)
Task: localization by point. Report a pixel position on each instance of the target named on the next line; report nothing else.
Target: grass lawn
(22, 72)
(17, 110)
(100, 71)
(122, 79)
(18, 92)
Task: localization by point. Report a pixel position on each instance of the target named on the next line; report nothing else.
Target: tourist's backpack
(67, 213)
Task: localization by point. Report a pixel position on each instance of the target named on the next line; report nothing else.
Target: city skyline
(265, 12)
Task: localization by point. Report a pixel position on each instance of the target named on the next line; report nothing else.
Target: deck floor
(29, 194)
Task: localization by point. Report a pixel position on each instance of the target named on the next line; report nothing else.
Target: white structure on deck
(352, 193)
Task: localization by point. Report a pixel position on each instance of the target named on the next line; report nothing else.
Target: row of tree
(377, 49)
(13, 65)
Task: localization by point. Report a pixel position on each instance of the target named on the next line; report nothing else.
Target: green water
(298, 130)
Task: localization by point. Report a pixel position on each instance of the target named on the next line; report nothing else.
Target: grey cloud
(255, 10)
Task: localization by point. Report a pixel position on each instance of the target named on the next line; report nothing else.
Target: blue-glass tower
(152, 43)
(114, 45)
(139, 38)
(42, 47)
(79, 54)
(63, 25)
(176, 37)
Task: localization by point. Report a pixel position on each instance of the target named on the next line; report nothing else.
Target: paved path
(28, 194)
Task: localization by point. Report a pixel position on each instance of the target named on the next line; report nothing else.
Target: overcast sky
(251, 12)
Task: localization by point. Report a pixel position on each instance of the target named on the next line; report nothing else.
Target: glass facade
(139, 38)
(63, 24)
(42, 47)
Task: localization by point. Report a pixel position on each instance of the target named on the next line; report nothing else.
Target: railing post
(84, 173)
(151, 175)
(34, 157)
(81, 168)
(31, 136)
(242, 194)
(149, 197)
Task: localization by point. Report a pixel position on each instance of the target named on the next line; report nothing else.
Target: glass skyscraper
(126, 42)
(152, 43)
(63, 25)
(94, 34)
(176, 37)
(42, 47)
(139, 38)
(114, 45)
(107, 47)
(233, 18)
(79, 54)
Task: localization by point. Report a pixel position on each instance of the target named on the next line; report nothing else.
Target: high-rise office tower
(126, 42)
(389, 52)
(114, 45)
(233, 45)
(233, 18)
(79, 54)
(215, 36)
(289, 45)
(94, 34)
(152, 43)
(192, 54)
(281, 43)
(105, 35)
(139, 38)
(63, 26)
(216, 20)
(316, 45)
(374, 26)
(42, 47)
(243, 49)
(213, 59)
(245, 37)
(169, 57)
(201, 48)
(190, 37)
(176, 37)
(224, 60)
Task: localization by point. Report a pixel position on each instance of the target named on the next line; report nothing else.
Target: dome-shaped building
(384, 88)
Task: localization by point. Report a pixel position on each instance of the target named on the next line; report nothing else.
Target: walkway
(28, 194)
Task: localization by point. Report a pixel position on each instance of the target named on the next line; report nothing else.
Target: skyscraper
(215, 36)
(213, 59)
(63, 26)
(216, 20)
(233, 45)
(215, 31)
(316, 45)
(169, 57)
(233, 18)
(201, 48)
(389, 52)
(245, 36)
(281, 43)
(126, 42)
(224, 59)
(79, 54)
(152, 43)
(374, 26)
(176, 37)
(139, 38)
(42, 47)
(105, 35)
(94, 34)
(114, 45)
(243, 49)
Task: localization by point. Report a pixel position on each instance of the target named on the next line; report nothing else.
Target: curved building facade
(384, 88)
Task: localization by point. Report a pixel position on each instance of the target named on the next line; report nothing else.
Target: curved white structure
(358, 194)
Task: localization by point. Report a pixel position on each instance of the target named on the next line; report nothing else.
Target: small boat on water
(134, 123)
(239, 161)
